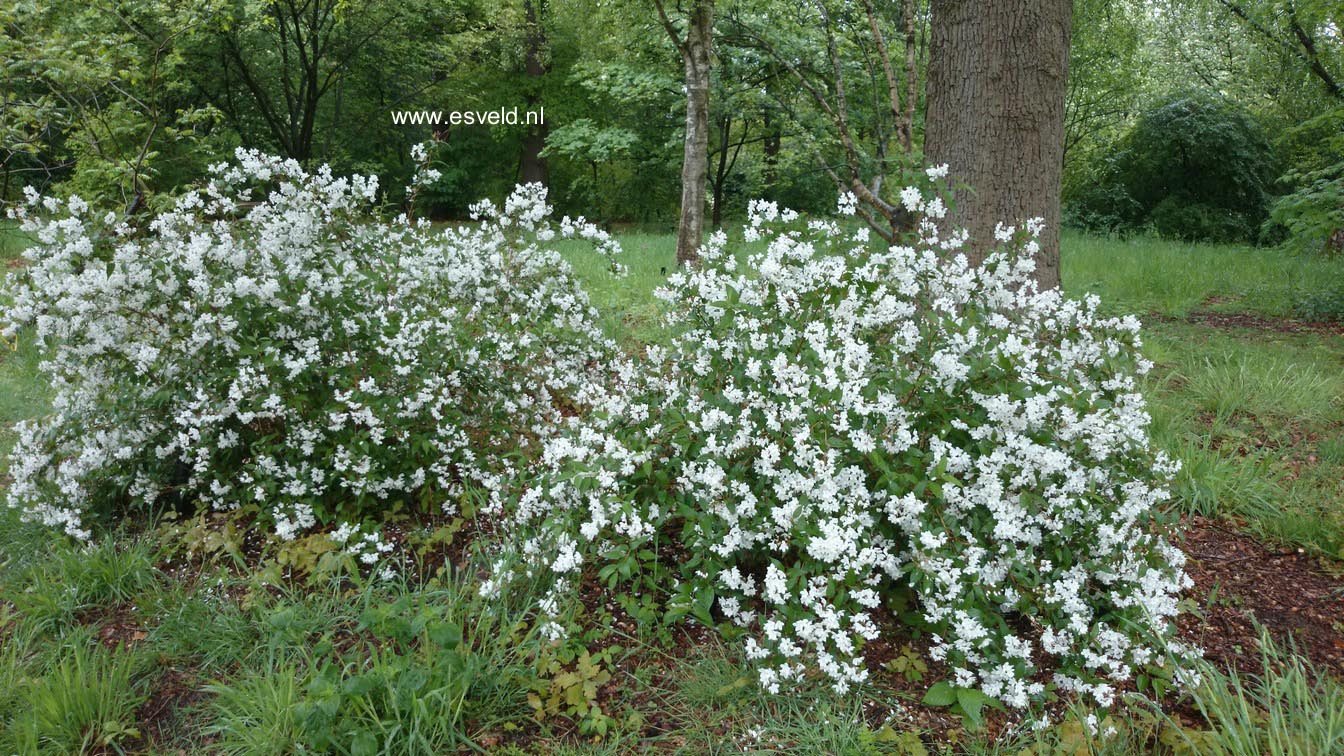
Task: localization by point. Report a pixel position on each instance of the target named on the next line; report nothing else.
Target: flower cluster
(269, 343)
(367, 548)
(838, 428)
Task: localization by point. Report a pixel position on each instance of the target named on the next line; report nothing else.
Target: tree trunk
(996, 85)
(770, 147)
(695, 160)
(534, 167)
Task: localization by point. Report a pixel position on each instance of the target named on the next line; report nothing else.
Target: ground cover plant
(222, 652)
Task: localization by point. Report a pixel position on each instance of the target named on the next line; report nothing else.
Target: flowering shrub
(833, 431)
(268, 344)
(838, 427)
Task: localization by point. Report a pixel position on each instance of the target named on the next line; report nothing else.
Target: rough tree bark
(996, 86)
(695, 51)
(533, 167)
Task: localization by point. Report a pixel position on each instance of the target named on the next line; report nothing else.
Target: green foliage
(567, 685)
(1265, 386)
(909, 664)
(1193, 167)
(1322, 305)
(1147, 275)
(100, 99)
(414, 672)
(75, 578)
(969, 703)
(1313, 212)
(257, 713)
(1291, 707)
(86, 701)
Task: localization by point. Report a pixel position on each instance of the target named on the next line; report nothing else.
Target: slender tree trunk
(695, 53)
(996, 85)
(534, 167)
(720, 171)
(770, 147)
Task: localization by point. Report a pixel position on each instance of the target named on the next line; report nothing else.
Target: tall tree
(996, 84)
(1307, 31)
(694, 45)
(92, 95)
(534, 167)
(282, 64)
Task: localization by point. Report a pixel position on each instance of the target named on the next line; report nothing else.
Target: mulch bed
(176, 692)
(116, 625)
(1252, 322)
(1288, 592)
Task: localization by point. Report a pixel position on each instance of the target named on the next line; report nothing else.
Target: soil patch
(1252, 322)
(117, 625)
(1240, 582)
(176, 692)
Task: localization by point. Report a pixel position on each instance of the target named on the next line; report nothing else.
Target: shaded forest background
(1202, 120)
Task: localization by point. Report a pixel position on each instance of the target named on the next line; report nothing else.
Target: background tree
(854, 106)
(695, 44)
(97, 94)
(996, 87)
(533, 166)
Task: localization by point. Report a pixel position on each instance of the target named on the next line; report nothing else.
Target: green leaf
(364, 742)
(971, 701)
(358, 685)
(447, 635)
(941, 694)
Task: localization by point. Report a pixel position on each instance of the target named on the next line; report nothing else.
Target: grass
(1255, 419)
(86, 699)
(1142, 275)
(88, 634)
(1290, 708)
(628, 310)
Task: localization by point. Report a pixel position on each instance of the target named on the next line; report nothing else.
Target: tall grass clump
(1291, 708)
(86, 701)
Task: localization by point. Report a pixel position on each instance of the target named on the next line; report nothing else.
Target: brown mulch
(117, 625)
(1252, 322)
(176, 692)
(1288, 592)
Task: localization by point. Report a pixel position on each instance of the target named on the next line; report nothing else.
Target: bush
(1313, 212)
(1327, 304)
(267, 344)
(839, 432)
(1193, 167)
(1179, 218)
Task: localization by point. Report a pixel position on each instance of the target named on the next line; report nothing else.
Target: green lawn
(123, 646)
